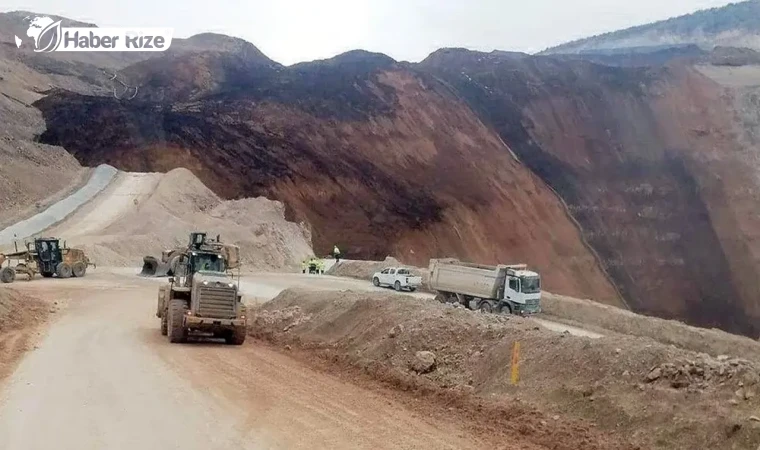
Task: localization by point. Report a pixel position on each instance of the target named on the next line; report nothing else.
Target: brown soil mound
(608, 318)
(20, 314)
(181, 204)
(572, 391)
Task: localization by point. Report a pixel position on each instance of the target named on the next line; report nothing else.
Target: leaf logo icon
(50, 34)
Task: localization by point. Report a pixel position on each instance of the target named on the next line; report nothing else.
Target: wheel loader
(202, 298)
(46, 256)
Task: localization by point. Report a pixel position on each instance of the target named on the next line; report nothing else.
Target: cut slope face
(648, 163)
(378, 159)
(143, 214)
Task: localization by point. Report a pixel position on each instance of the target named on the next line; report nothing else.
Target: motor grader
(46, 256)
(202, 298)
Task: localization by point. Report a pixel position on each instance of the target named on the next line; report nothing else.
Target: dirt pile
(604, 318)
(606, 385)
(19, 310)
(180, 204)
(20, 315)
(705, 373)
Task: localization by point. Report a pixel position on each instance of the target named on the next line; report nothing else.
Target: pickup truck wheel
(397, 286)
(412, 289)
(485, 307)
(376, 281)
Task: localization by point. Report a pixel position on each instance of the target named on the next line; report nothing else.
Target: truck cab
(523, 290)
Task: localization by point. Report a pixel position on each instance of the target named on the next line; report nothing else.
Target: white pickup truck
(397, 277)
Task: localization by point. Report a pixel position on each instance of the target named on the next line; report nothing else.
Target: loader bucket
(152, 267)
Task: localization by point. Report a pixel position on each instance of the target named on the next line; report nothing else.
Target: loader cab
(197, 240)
(49, 254)
(206, 262)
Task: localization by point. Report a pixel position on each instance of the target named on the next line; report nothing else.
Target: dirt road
(124, 194)
(104, 378)
(100, 178)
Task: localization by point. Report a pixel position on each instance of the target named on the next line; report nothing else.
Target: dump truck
(46, 256)
(202, 298)
(504, 289)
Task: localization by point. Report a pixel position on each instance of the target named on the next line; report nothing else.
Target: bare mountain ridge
(734, 25)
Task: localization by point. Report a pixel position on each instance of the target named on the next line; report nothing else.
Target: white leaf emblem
(53, 33)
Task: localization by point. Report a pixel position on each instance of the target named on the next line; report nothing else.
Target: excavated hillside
(649, 162)
(379, 158)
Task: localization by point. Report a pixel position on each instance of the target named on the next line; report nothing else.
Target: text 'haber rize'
(93, 41)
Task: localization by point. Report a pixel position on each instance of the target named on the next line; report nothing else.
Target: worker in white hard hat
(336, 254)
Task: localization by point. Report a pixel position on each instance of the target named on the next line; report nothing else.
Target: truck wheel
(79, 269)
(164, 325)
(485, 307)
(376, 282)
(441, 298)
(397, 286)
(505, 308)
(176, 331)
(236, 336)
(8, 275)
(63, 270)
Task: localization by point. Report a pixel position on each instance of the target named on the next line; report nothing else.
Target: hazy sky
(291, 31)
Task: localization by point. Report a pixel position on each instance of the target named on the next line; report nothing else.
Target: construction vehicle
(166, 266)
(505, 289)
(45, 256)
(202, 298)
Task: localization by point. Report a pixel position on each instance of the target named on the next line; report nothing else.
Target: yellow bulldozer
(46, 256)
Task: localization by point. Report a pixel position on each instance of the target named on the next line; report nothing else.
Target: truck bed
(475, 280)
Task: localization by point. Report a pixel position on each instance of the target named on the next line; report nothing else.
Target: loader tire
(63, 270)
(236, 336)
(176, 326)
(79, 269)
(164, 325)
(376, 281)
(8, 275)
